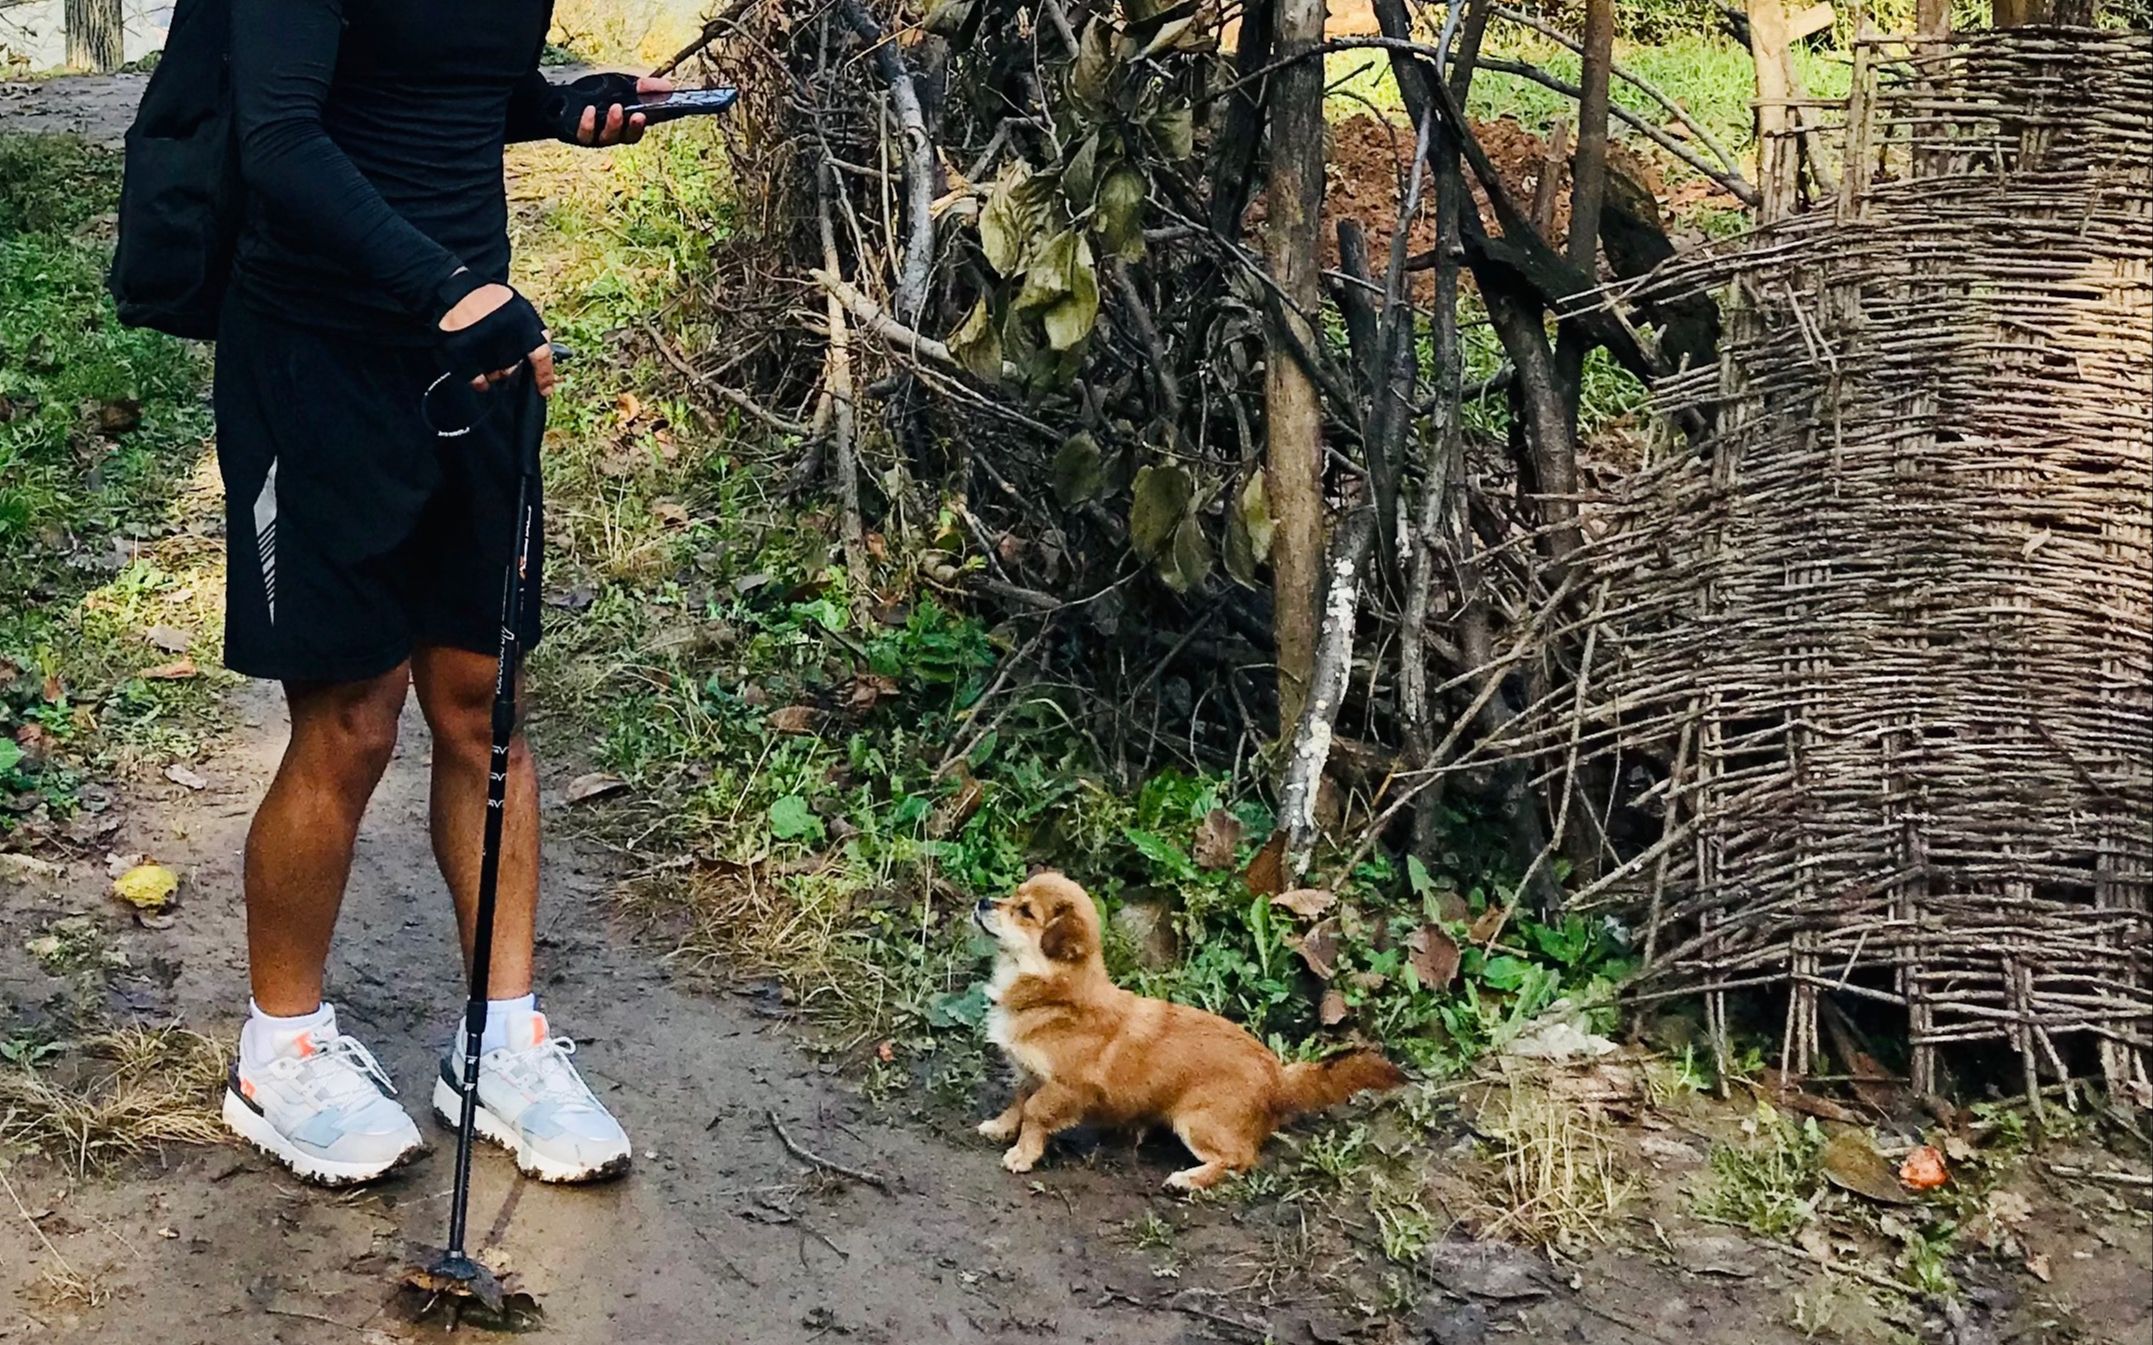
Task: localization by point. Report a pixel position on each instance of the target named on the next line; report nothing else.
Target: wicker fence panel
(1889, 624)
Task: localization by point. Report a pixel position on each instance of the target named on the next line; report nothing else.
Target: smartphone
(684, 103)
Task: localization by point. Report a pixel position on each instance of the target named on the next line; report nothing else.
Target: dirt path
(96, 107)
(720, 1234)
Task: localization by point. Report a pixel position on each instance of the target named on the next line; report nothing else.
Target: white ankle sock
(502, 1015)
(266, 1035)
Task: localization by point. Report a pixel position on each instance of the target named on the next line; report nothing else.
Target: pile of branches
(1058, 271)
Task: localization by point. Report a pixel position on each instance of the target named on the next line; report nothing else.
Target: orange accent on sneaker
(305, 1042)
(538, 1029)
(246, 1089)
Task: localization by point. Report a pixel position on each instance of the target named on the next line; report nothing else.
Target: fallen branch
(815, 1160)
(912, 273)
(876, 320)
(839, 382)
(782, 424)
(1329, 674)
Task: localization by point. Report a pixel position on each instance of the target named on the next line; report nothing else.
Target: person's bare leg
(456, 692)
(299, 848)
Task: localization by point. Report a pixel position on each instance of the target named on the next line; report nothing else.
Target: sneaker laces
(550, 1076)
(340, 1069)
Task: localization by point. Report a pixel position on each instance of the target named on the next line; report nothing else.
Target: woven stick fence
(1884, 638)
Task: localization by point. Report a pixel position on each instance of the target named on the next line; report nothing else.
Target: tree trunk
(1293, 415)
(1588, 187)
(1234, 176)
(96, 34)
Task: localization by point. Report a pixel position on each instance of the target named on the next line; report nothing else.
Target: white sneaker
(532, 1103)
(322, 1107)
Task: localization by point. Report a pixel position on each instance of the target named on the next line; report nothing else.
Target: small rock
(1487, 1270)
(1451, 1323)
(1661, 1149)
(1148, 924)
(28, 868)
(1558, 1034)
(1715, 1254)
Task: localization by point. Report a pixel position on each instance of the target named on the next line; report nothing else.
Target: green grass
(102, 436)
(1772, 1182)
(1708, 75)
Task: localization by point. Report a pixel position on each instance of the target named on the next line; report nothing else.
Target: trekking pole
(453, 1270)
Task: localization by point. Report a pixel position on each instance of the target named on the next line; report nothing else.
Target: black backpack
(181, 196)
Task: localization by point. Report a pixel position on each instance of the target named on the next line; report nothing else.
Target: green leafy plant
(1770, 1184)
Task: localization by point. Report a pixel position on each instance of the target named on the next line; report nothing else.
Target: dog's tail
(1314, 1085)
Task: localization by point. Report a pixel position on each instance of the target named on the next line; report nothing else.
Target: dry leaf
(953, 814)
(146, 887)
(1306, 902)
(869, 690)
(1815, 1240)
(2008, 1209)
(1489, 924)
(1852, 1163)
(1319, 949)
(1433, 956)
(627, 406)
(184, 777)
(1332, 1011)
(671, 514)
(117, 863)
(1266, 873)
(1923, 1169)
(119, 416)
(2037, 1265)
(793, 719)
(178, 670)
(1218, 837)
(54, 689)
(595, 785)
(170, 639)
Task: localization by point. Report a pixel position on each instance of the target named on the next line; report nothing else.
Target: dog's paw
(1189, 1181)
(999, 1130)
(1016, 1160)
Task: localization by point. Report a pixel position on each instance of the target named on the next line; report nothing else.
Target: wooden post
(1293, 414)
(1777, 159)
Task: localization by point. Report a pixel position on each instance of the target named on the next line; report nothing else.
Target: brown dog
(1087, 1050)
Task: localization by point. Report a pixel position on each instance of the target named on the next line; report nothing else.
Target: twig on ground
(815, 1160)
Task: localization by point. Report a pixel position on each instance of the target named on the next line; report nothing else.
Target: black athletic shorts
(357, 531)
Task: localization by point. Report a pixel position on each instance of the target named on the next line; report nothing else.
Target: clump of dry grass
(1558, 1180)
(115, 1095)
(850, 952)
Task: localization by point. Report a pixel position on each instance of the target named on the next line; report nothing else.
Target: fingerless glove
(565, 107)
(500, 340)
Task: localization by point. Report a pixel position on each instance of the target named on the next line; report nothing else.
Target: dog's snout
(983, 905)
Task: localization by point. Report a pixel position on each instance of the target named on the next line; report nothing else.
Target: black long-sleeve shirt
(370, 137)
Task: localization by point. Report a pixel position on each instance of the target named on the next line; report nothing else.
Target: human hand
(484, 332)
(620, 127)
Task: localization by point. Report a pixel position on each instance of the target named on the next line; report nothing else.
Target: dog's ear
(1063, 938)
